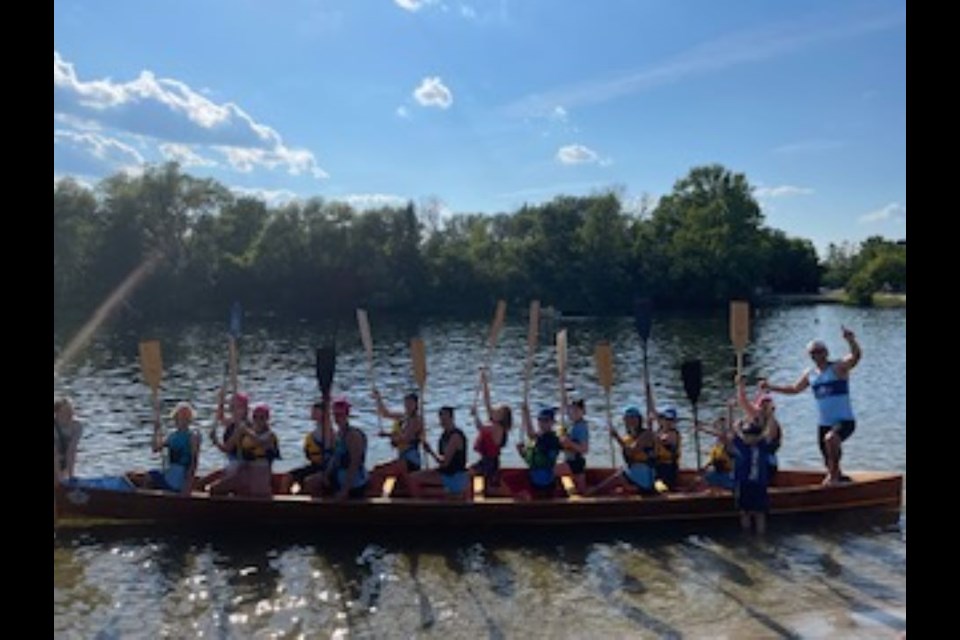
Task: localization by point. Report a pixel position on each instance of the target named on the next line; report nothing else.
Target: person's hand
(764, 385)
(847, 333)
(738, 379)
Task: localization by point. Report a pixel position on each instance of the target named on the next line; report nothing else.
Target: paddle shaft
(696, 435)
(491, 345)
(613, 458)
(233, 365)
(363, 322)
(533, 335)
(647, 390)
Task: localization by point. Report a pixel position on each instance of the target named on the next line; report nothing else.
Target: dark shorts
(577, 465)
(844, 429)
(301, 473)
(159, 481)
(752, 497)
(668, 473)
(411, 466)
(489, 468)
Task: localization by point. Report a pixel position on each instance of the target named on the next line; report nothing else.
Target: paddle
(739, 329)
(418, 355)
(603, 356)
(491, 344)
(236, 315)
(367, 339)
(692, 373)
(326, 365)
(533, 335)
(151, 365)
(562, 372)
(643, 321)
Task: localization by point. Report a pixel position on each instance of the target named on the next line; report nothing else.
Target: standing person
(66, 435)
(183, 452)
(491, 439)
(576, 444)
(451, 473)
(752, 446)
(830, 381)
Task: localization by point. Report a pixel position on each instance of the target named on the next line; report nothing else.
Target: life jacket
(313, 449)
(720, 458)
(668, 453)
(252, 449)
(179, 449)
(459, 461)
(632, 455)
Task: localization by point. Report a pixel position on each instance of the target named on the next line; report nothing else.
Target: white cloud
(892, 211)
(577, 154)
(781, 191)
(186, 156)
(726, 51)
(402, 112)
(433, 93)
(413, 5)
(373, 200)
(559, 114)
(89, 153)
(167, 110)
(297, 161)
(273, 197)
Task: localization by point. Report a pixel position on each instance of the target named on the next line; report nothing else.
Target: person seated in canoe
(406, 438)
(229, 444)
(639, 454)
(67, 431)
(763, 410)
(667, 447)
(258, 449)
(540, 456)
(346, 475)
(575, 443)
(317, 449)
(719, 467)
(451, 456)
(491, 438)
(182, 453)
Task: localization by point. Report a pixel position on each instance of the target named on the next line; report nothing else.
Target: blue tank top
(579, 433)
(341, 461)
(832, 394)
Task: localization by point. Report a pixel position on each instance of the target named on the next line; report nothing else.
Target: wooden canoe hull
(796, 492)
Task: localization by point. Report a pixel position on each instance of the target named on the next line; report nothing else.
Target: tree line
(701, 245)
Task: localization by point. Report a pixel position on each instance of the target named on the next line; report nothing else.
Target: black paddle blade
(326, 364)
(642, 317)
(692, 373)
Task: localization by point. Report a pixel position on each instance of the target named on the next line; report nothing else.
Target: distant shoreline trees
(702, 244)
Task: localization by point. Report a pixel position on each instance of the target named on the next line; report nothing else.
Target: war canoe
(795, 492)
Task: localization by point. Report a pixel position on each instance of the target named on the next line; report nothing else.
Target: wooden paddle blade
(533, 333)
(643, 317)
(603, 356)
(418, 355)
(365, 337)
(562, 352)
(739, 323)
(326, 365)
(151, 364)
(498, 317)
(692, 373)
(236, 317)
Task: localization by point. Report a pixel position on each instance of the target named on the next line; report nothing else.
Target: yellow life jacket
(634, 455)
(252, 449)
(313, 450)
(720, 458)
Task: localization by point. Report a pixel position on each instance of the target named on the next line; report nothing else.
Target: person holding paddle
(639, 453)
(183, 452)
(830, 382)
(576, 444)
(66, 435)
(491, 437)
(406, 438)
(317, 447)
(542, 455)
(346, 475)
(668, 447)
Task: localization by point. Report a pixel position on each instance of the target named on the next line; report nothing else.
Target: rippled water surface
(813, 578)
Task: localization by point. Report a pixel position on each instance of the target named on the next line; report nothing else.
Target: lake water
(842, 577)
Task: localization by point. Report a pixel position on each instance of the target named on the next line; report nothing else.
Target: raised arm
(383, 410)
(795, 388)
(486, 394)
(745, 405)
(527, 423)
(851, 359)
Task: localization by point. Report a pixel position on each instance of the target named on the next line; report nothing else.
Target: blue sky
(484, 105)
